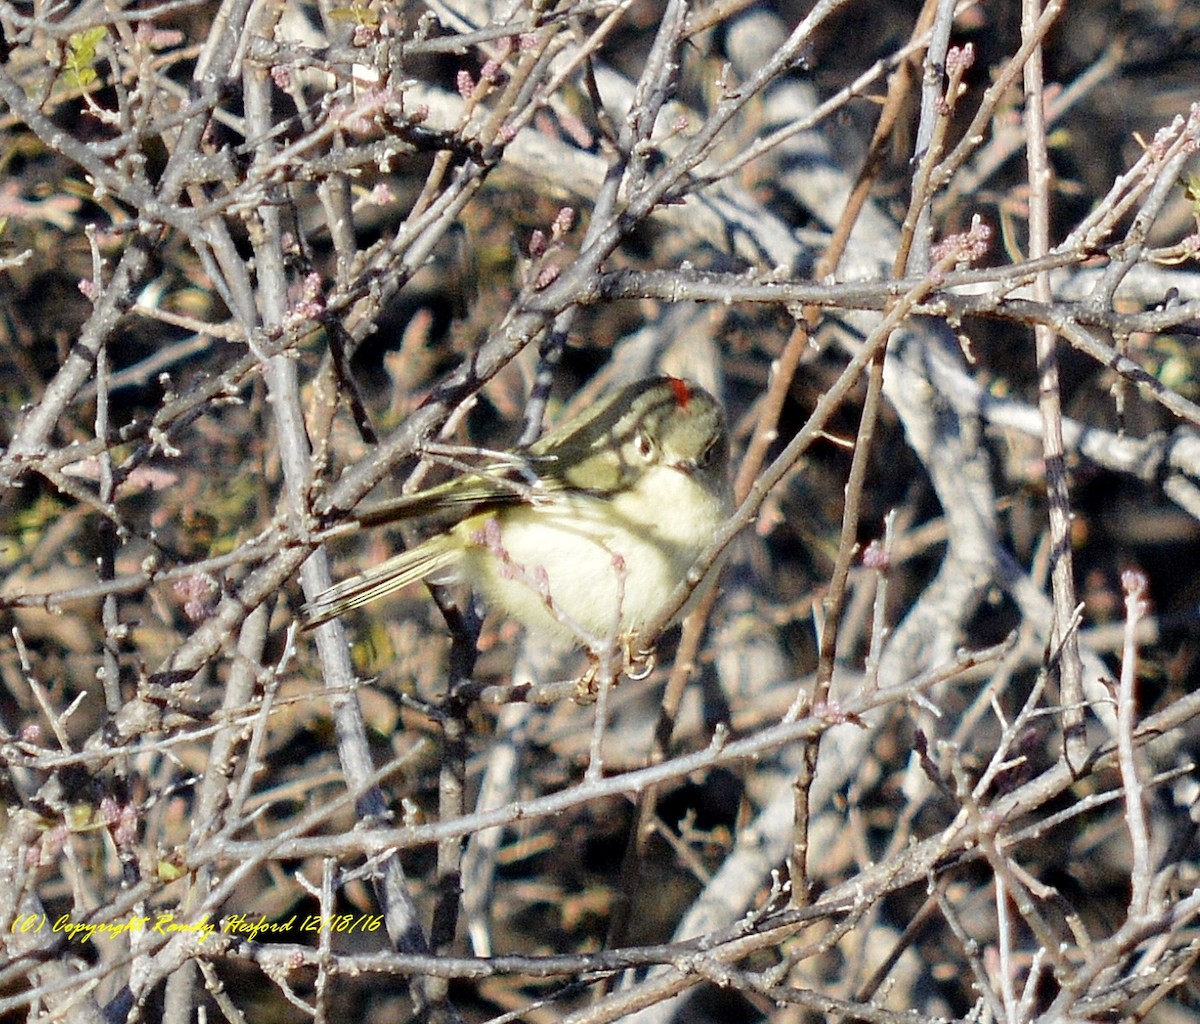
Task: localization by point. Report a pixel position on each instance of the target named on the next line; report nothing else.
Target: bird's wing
(490, 488)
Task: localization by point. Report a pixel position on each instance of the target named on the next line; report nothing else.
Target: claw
(638, 664)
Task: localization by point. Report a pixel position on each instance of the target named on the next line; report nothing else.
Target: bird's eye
(645, 446)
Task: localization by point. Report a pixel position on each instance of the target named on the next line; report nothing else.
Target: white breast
(580, 564)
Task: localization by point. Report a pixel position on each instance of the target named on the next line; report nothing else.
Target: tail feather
(434, 556)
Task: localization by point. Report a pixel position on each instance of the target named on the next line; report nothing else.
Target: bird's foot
(636, 665)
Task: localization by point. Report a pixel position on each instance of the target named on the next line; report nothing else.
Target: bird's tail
(434, 556)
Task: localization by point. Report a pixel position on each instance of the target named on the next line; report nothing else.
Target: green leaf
(79, 67)
(1191, 191)
(358, 13)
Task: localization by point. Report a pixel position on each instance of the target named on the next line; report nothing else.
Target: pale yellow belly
(587, 570)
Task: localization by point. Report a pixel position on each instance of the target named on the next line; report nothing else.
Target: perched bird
(584, 534)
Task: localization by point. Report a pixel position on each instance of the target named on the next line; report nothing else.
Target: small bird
(583, 535)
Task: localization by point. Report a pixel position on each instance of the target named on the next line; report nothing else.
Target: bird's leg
(587, 685)
(638, 663)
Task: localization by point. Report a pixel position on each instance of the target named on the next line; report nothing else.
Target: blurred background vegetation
(201, 200)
